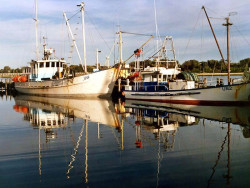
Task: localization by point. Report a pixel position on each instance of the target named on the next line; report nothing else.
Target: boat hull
(222, 95)
(95, 84)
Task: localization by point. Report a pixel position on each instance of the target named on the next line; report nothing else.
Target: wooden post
(127, 82)
(6, 84)
(119, 84)
(227, 24)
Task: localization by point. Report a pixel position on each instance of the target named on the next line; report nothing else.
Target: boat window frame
(41, 65)
(47, 64)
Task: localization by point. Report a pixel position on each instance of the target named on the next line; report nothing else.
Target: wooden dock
(6, 86)
(9, 75)
(220, 74)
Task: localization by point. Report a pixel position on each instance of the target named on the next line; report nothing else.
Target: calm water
(53, 142)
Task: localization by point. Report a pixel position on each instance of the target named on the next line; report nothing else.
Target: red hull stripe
(199, 102)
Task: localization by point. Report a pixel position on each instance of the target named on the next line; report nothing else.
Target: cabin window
(42, 123)
(34, 66)
(47, 64)
(60, 64)
(52, 64)
(49, 122)
(41, 65)
(57, 64)
(164, 77)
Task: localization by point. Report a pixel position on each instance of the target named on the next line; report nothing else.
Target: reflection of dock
(6, 86)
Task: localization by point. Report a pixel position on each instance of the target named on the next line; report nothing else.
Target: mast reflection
(49, 114)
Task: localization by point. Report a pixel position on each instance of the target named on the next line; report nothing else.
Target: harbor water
(54, 142)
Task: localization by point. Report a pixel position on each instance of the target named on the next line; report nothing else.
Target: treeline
(214, 66)
(7, 69)
(75, 68)
(208, 66)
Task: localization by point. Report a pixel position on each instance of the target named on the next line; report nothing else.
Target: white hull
(95, 84)
(237, 93)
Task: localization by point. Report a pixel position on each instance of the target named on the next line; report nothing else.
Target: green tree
(245, 63)
(6, 69)
(191, 65)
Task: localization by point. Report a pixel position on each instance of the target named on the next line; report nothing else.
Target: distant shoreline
(220, 74)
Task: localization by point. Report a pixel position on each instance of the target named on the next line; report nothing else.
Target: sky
(183, 20)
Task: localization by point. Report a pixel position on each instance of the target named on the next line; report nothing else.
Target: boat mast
(97, 59)
(120, 46)
(37, 50)
(83, 36)
(227, 24)
(214, 36)
(72, 36)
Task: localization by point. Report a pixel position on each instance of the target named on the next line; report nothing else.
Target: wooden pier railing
(9, 75)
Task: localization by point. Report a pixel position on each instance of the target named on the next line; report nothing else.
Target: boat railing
(49, 83)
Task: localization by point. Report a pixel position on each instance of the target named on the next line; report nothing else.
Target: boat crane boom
(140, 48)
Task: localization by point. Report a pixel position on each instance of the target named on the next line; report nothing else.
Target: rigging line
(202, 39)
(98, 31)
(211, 10)
(142, 34)
(245, 39)
(77, 11)
(217, 18)
(192, 33)
(234, 54)
(115, 136)
(73, 156)
(156, 25)
(217, 161)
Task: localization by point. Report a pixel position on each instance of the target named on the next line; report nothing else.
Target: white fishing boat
(49, 77)
(184, 88)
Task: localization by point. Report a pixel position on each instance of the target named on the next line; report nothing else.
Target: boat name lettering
(85, 77)
(225, 88)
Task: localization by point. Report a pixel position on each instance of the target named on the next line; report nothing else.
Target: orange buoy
(22, 78)
(136, 74)
(15, 79)
(16, 108)
(24, 109)
(137, 123)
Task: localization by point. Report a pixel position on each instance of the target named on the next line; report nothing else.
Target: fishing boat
(185, 88)
(49, 76)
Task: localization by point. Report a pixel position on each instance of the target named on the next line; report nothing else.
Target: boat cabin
(47, 68)
(160, 74)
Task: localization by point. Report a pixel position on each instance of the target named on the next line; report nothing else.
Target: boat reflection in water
(164, 119)
(163, 133)
(227, 114)
(162, 122)
(48, 114)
